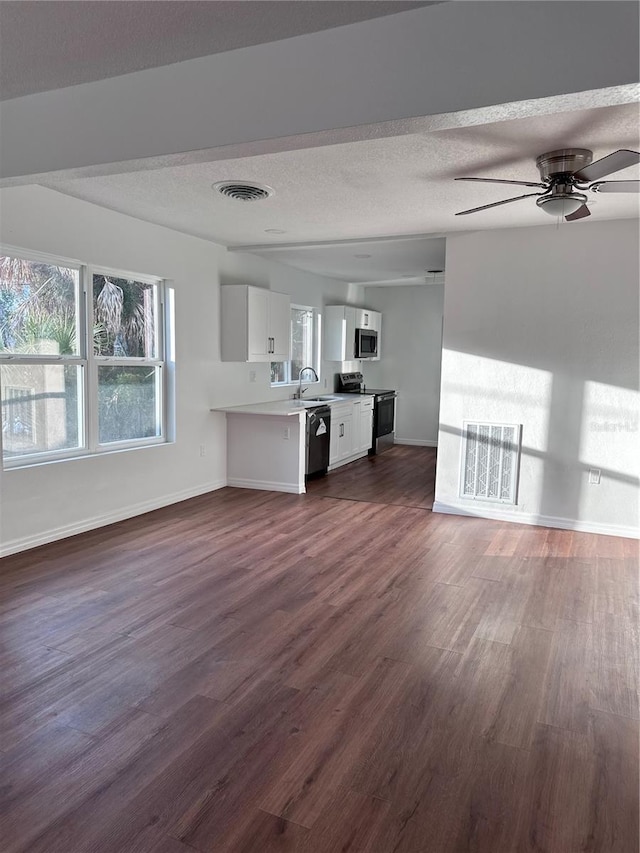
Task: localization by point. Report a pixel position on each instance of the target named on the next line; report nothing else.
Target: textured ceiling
(50, 45)
(376, 188)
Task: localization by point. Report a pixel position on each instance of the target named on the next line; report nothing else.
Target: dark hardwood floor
(257, 672)
(404, 475)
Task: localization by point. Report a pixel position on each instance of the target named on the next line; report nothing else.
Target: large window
(305, 347)
(82, 366)
(126, 339)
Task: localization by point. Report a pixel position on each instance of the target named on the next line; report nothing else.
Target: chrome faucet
(300, 388)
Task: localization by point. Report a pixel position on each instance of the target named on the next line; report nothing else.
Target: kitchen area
(281, 445)
(321, 424)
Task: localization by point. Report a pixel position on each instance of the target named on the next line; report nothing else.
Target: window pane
(129, 403)
(41, 408)
(278, 372)
(125, 316)
(301, 341)
(38, 308)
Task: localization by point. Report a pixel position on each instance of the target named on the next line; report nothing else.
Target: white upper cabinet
(367, 319)
(280, 326)
(340, 324)
(339, 332)
(257, 320)
(256, 324)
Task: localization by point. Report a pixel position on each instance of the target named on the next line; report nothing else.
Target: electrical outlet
(325, 382)
(252, 376)
(594, 476)
(203, 450)
(286, 434)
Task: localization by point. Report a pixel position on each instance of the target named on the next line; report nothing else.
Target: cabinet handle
(366, 319)
(271, 345)
(341, 430)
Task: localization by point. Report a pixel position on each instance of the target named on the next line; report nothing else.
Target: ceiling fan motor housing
(563, 162)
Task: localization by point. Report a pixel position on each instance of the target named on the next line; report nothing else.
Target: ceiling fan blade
(580, 213)
(616, 187)
(607, 165)
(496, 203)
(500, 181)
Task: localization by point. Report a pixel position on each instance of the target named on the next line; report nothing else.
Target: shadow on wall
(570, 426)
(541, 329)
(549, 460)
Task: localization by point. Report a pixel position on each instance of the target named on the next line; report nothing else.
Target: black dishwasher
(318, 437)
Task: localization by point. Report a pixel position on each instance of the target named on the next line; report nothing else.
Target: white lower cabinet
(351, 431)
(366, 424)
(341, 441)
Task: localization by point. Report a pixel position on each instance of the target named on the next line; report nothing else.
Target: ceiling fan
(565, 176)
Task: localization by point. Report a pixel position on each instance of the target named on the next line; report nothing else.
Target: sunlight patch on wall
(487, 390)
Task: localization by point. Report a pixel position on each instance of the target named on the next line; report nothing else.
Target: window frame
(88, 362)
(95, 361)
(316, 346)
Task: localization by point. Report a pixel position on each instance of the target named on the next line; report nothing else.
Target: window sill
(294, 384)
(75, 457)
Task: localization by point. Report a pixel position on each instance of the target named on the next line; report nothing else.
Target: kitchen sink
(328, 399)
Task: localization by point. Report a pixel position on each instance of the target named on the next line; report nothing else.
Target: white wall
(435, 60)
(44, 502)
(541, 328)
(411, 347)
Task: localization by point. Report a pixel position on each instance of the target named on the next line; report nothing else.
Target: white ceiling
(372, 205)
(51, 45)
(372, 189)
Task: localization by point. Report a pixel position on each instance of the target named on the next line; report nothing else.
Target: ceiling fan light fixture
(561, 204)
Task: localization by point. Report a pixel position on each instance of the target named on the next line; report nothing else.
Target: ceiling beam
(445, 58)
(320, 244)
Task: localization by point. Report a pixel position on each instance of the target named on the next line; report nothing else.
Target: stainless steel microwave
(366, 343)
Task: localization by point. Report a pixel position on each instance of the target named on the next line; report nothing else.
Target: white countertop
(281, 408)
(284, 408)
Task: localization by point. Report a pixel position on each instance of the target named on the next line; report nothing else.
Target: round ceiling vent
(243, 190)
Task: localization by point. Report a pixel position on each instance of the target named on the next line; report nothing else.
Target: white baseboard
(14, 546)
(419, 442)
(537, 520)
(265, 485)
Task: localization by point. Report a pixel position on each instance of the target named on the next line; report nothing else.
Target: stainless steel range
(384, 409)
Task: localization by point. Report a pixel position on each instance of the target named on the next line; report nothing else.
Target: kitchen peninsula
(267, 442)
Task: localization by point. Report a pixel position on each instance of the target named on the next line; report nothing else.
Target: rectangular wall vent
(490, 462)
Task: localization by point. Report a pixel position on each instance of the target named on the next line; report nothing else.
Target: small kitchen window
(305, 347)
